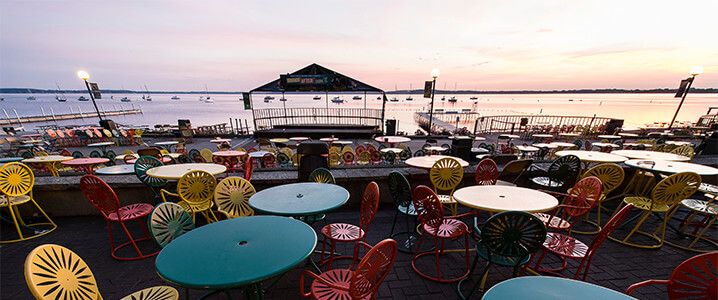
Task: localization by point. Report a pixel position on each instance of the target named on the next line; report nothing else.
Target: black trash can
(108, 124)
(461, 148)
(313, 155)
(390, 128)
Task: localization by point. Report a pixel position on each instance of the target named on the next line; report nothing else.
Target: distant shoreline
(419, 92)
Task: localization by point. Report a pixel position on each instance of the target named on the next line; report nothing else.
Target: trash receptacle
(461, 148)
(185, 129)
(390, 128)
(108, 124)
(312, 155)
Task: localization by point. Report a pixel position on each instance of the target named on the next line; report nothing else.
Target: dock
(9, 120)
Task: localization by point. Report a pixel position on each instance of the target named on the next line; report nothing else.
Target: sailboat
(395, 99)
(83, 98)
(317, 98)
(123, 99)
(474, 98)
(30, 98)
(453, 99)
(60, 96)
(268, 98)
(337, 99)
(147, 97)
(206, 98)
(175, 97)
(409, 98)
(357, 98)
(283, 99)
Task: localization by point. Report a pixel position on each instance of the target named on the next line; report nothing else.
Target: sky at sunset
(238, 45)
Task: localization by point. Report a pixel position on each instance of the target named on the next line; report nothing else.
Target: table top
(671, 167)
(563, 144)
(678, 143)
(637, 144)
(571, 134)
(645, 154)
(101, 144)
(544, 145)
(426, 162)
(32, 141)
(299, 199)
(163, 159)
(329, 139)
(229, 153)
(548, 287)
(479, 138)
(342, 142)
(85, 161)
(259, 153)
(167, 143)
(509, 136)
(242, 252)
(627, 134)
(47, 159)
(593, 156)
(279, 140)
(542, 135)
(479, 150)
(298, 138)
(498, 198)
(602, 145)
(116, 170)
(459, 137)
(174, 172)
(10, 159)
(436, 148)
(219, 141)
(395, 150)
(392, 139)
(609, 136)
(523, 148)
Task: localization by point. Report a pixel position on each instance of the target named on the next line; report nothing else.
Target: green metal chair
(561, 174)
(168, 221)
(143, 164)
(506, 239)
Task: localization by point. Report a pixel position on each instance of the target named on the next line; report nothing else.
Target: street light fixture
(85, 76)
(434, 74)
(695, 71)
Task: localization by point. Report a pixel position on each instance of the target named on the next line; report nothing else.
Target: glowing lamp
(697, 70)
(83, 75)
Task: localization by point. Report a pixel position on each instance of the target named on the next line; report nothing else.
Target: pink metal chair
(102, 197)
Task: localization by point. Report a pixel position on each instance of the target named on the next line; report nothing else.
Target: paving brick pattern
(615, 266)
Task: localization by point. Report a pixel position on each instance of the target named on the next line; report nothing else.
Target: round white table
(392, 140)
(258, 154)
(605, 145)
(609, 137)
(329, 139)
(394, 150)
(637, 144)
(220, 141)
(564, 144)
(628, 135)
(298, 138)
(678, 143)
(593, 156)
(671, 167)
(459, 137)
(175, 172)
(644, 154)
(498, 198)
(343, 142)
(50, 162)
(426, 162)
(509, 136)
(102, 145)
(116, 170)
(569, 134)
(166, 143)
(436, 149)
(544, 145)
(279, 140)
(542, 136)
(479, 138)
(479, 150)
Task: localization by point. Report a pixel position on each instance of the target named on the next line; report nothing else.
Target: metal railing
(270, 117)
(538, 123)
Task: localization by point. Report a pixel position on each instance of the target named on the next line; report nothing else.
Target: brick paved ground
(615, 266)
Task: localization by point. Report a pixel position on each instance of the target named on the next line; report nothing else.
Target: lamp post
(695, 71)
(85, 76)
(434, 74)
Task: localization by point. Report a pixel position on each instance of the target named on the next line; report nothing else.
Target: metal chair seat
(507, 261)
(645, 204)
(547, 182)
(449, 228)
(566, 246)
(338, 277)
(132, 211)
(555, 222)
(14, 200)
(701, 206)
(343, 232)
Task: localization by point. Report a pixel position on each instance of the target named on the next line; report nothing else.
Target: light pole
(434, 74)
(695, 71)
(85, 76)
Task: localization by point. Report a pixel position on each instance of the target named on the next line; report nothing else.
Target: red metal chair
(579, 200)
(435, 225)
(487, 172)
(695, 278)
(269, 160)
(362, 283)
(248, 168)
(102, 197)
(568, 247)
(348, 233)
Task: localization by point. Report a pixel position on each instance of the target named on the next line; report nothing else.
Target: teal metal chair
(506, 239)
(143, 164)
(168, 221)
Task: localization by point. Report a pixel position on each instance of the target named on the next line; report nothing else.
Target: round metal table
(678, 143)
(299, 199)
(279, 140)
(229, 153)
(394, 150)
(102, 145)
(671, 167)
(392, 140)
(49, 161)
(498, 198)
(298, 138)
(258, 154)
(236, 252)
(627, 135)
(549, 288)
(167, 144)
(609, 137)
(644, 154)
(542, 136)
(116, 170)
(10, 159)
(220, 141)
(564, 144)
(329, 139)
(426, 162)
(479, 138)
(175, 172)
(85, 164)
(544, 145)
(593, 156)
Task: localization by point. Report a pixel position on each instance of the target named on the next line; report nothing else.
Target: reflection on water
(635, 109)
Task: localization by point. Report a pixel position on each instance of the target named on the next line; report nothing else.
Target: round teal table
(116, 170)
(299, 199)
(236, 252)
(10, 159)
(547, 287)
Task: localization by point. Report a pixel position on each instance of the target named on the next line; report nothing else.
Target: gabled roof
(315, 78)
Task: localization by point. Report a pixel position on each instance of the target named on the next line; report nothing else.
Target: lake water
(635, 109)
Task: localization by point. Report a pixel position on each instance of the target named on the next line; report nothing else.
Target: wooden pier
(17, 120)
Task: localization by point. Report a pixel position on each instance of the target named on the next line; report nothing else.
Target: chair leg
(15, 221)
(393, 223)
(471, 272)
(132, 240)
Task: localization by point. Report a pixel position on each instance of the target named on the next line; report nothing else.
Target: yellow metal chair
(16, 182)
(445, 176)
(137, 138)
(232, 197)
(611, 176)
(334, 158)
(685, 150)
(206, 154)
(195, 191)
(664, 198)
(55, 272)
